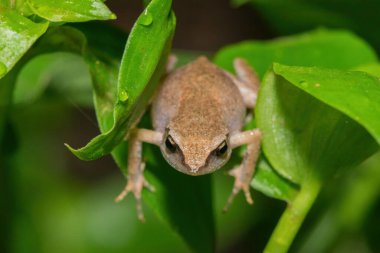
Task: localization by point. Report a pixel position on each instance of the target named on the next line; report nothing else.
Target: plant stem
(293, 216)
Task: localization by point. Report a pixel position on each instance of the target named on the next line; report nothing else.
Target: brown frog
(198, 115)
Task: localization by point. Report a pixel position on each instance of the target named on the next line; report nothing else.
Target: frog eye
(221, 150)
(170, 144)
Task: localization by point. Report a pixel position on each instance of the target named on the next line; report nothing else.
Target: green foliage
(65, 211)
(322, 48)
(50, 72)
(306, 139)
(372, 68)
(168, 201)
(353, 93)
(306, 136)
(184, 202)
(20, 34)
(150, 37)
(17, 35)
(71, 11)
(360, 190)
(307, 142)
(317, 108)
(269, 182)
(337, 49)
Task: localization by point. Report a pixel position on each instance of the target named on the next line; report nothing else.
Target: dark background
(202, 25)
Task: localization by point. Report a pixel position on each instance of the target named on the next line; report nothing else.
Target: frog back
(202, 95)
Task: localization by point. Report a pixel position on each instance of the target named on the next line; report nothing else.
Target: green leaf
(304, 135)
(179, 197)
(356, 94)
(317, 48)
(3, 69)
(371, 68)
(18, 34)
(322, 48)
(307, 142)
(71, 10)
(61, 39)
(109, 45)
(269, 182)
(20, 5)
(142, 65)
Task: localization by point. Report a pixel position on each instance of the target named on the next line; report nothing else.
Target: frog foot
(240, 183)
(135, 185)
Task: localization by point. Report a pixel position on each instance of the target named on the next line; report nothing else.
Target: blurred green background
(52, 202)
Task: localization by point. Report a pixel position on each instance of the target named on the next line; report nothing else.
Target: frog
(198, 114)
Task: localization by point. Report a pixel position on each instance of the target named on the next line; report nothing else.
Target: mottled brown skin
(194, 107)
(197, 117)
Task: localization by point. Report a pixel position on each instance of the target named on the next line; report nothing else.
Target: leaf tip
(77, 152)
(113, 16)
(72, 150)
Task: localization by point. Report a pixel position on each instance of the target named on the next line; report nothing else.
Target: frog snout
(194, 166)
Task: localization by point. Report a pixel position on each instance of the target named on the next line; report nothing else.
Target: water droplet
(123, 96)
(146, 19)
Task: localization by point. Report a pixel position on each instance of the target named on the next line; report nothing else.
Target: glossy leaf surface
(17, 35)
(321, 48)
(71, 10)
(304, 135)
(354, 93)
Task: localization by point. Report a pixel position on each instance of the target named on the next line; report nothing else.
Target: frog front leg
(135, 178)
(248, 84)
(243, 173)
